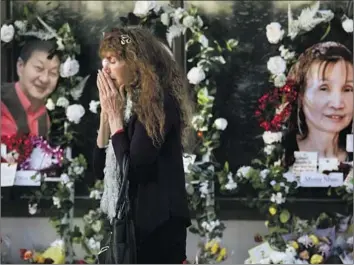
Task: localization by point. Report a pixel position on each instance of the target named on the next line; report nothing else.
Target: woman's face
(116, 68)
(328, 98)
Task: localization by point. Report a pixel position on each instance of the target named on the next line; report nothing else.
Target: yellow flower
(38, 259)
(208, 245)
(222, 255)
(294, 244)
(214, 248)
(266, 223)
(223, 252)
(316, 259)
(314, 239)
(272, 210)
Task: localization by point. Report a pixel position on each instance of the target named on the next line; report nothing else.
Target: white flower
(32, 208)
(203, 41)
(64, 178)
(347, 25)
(63, 102)
(305, 240)
(60, 44)
(78, 170)
(196, 75)
(273, 182)
(268, 149)
(291, 251)
(211, 225)
(278, 257)
(21, 25)
(56, 202)
(277, 198)
(231, 184)
(50, 104)
(274, 32)
(173, 32)
(220, 124)
(165, 19)
(142, 8)
(75, 112)
(93, 105)
(188, 21)
(271, 137)
(280, 80)
(7, 33)
(69, 185)
(95, 194)
(277, 163)
(93, 245)
(203, 189)
(285, 53)
(276, 65)
(264, 173)
(350, 240)
(69, 68)
(242, 172)
(178, 14)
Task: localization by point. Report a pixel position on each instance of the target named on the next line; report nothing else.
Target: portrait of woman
(323, 114)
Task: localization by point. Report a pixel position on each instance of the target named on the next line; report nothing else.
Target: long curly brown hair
(156, 74)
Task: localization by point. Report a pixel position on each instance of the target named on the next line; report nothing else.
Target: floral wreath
(63, 102)
(267, 175)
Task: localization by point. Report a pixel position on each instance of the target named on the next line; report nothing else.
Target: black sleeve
(99, 159)
(141, 150)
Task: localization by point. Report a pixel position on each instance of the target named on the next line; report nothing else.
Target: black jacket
(156, 175)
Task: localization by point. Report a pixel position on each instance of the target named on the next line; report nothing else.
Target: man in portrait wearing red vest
(23, 103)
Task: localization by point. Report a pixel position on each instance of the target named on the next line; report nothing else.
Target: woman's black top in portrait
(156, 174)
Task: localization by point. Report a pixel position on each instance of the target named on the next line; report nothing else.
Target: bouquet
(274, 107)
(29, 152)
(52, 255)
(210, 252)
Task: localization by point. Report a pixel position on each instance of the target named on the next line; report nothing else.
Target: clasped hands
(112, 101)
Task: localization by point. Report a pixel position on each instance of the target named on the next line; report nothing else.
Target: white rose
(196, 75)
(268, 149)
(21, 25)
(142, 8)
(75, 112)
(188, 21)
(64, 178)
(173, 32)
(280, 80)
(60, 44)
(165, 19)
(62, 102)
(271, 137)
(220, 124)
(32, 208)
(93, 106)
(56, 202)
(276, 65)
(7, 33)
(50, 104)
(274, 32)
(347, 25)
(69, 68)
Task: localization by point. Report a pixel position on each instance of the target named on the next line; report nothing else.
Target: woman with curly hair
(145, 111)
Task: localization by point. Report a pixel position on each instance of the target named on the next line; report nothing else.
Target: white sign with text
(349, 146)
(8, 173)
(304, 162)
(315, 179)
(328, 164)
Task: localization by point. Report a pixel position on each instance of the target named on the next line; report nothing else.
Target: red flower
(19, 143)
(268, 113)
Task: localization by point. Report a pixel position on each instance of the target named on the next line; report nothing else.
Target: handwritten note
(349, 146)
(27, 178)
(259, 252)
(304, 162)
(8, 173)
(327, 164)
(315, 179)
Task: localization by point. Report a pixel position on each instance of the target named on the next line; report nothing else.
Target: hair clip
(125, 39)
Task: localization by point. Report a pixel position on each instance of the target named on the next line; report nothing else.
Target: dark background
(240, 83)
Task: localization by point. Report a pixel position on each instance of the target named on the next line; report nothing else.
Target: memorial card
(304, 162)
(327, 164)
(259, 252)
(316, 179)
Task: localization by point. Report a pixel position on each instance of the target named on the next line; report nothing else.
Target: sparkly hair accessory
(323, 47)
(125, 39)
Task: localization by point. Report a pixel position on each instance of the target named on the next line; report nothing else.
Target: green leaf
(326, 33)
(226, 166)
(284, 216)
